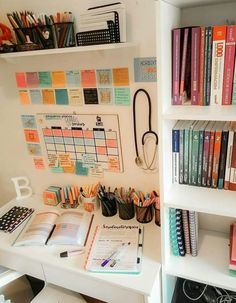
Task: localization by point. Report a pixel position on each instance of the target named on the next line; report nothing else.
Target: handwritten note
(58, 79)
(61, 96)
(45, 79)
(122, 96)
(31, 135)
(48, 96)
(24, 97)
(88, 78)
(76, 97)
(32, 79)
(39, 163)
(35, 96)
(21, 80)
(121, 76)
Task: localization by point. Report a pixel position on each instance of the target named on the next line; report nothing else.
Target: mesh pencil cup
(157, 214)
(144, 214)
(108, 206)
(126, 210)
(90, 204)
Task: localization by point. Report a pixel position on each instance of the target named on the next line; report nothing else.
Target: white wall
(14, 158)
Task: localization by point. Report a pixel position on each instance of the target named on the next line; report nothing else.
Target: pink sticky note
(39, 163)
(88, 78)
(21, 80)
(32, 79)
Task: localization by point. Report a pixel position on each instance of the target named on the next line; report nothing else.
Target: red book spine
(183, 66)
(176, 36)
(195, 65)
(216, 159)
(229, 65)
(232, 180)
(210, 158)
(201, 68)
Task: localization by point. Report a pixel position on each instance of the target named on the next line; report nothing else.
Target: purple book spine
(206, 148)
(195, 63)
(176, 34)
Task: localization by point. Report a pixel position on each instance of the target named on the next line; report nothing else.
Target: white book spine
(228, 159)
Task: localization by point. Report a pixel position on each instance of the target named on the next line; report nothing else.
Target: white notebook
(116, 249)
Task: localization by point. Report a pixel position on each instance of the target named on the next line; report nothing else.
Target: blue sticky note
(57, 169)
(80, 170)
(61, 97)
(35, 96)
(29, 121)
(73, 78)
(145, 69)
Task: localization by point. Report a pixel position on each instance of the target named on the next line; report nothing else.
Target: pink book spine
(195, 65)
(176, 67)
(229, 65)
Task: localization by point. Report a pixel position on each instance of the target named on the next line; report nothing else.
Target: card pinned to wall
(122, 96)
(21, 80)
(73, 78)
(104, 77)
(105, 95)
(31, 135)
(121, 76)
(34, 149)
(96, 171)
(76, 97)
(58, 79)
(48, 96)
(24, 97)
(90, 96)
(35, 96)
(28, 121)
(32, 79)
(88, 160)
(39, 163)
(113, 164)
(45, 79)
(61, 96)
(145, 69)
(80, 170)
(88, 78)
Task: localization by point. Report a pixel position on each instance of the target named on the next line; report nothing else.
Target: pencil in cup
(90, 203)
(108, 205)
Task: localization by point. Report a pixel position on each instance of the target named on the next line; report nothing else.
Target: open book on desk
(51, 227)
(116, 249)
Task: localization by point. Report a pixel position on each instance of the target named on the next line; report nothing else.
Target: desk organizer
(144, 214)
(90, 204)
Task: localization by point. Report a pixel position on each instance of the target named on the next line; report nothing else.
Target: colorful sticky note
(61, 96)
(80, 170)
(73, 78)
(39, 163)
(145, 69)
(88, 78)
(57, 169)
(29, 121)
(105, 95)
(45, 79)
(96, 171)
(90, 96)
(76, 97)
(32, 79)
(48, 96)
(104, 77)
(58, 79)
(113, 163)
(88, 160)
(122, 96)
(35, 96)
(34, 149)
(21, 80)
(121, 76)
(24, 97)
(31, 135)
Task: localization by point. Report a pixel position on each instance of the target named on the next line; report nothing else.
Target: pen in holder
(64, 34)
(108, 201)
(126, 210)
(144, 214)
(157, 211)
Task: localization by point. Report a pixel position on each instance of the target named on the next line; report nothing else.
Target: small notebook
(14, 217)
(116, 249)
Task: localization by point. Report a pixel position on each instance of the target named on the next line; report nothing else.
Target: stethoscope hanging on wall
(145, 164)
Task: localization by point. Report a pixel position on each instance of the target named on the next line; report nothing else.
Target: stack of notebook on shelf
(102, 24)
(232, 262)
(183, 232)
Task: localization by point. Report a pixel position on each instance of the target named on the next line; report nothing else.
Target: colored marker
(72, 253)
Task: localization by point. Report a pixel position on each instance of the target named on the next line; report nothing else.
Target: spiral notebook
(116, 249)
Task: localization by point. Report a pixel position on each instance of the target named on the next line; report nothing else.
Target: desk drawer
(87, 285)
(21, 264)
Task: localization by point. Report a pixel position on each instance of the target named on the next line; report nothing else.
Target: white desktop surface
(45, 263)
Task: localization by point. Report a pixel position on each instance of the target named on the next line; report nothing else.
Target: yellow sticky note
(121, 76)
(24, 97)
(58, 79)
(48, 96)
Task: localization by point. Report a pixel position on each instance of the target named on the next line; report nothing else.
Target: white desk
(44, 263)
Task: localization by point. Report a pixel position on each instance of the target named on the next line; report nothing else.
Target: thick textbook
(70, 227)
(116, 249)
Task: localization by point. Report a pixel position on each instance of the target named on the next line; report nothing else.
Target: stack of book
(183, 232)
(204, 154)
(102, 24)
(203, 65)
(232, 263)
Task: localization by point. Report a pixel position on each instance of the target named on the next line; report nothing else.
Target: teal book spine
(195, 150)
(186, 155)
(173, 235)
(181, 156)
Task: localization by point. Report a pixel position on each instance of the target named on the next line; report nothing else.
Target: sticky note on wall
(21, 80)
(58, 79)
(24, 97)
(32, 79)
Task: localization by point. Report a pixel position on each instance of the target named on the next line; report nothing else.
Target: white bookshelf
(211, 264)
(67, 50)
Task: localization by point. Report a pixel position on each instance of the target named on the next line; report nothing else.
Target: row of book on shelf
(183, 226)
(204, 154)
(203, 65)
(232, 262)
